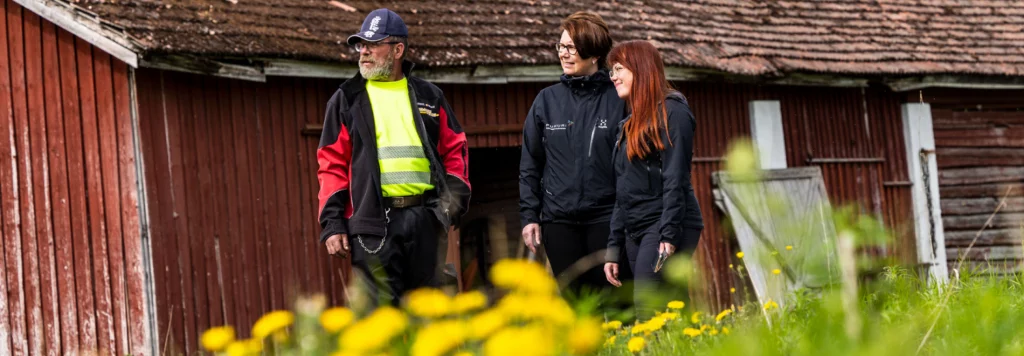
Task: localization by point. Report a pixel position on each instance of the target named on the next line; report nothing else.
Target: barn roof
(745, 37)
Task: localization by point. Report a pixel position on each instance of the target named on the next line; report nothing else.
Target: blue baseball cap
(378, 25)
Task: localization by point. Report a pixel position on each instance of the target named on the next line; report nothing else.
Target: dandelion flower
(271, 322)
(216, 339)
(335, 319)
(676, 304)
(612, 325)
(722, 315)
(529, 340)
(428, 303)
(585, 337)
(237, 348)
(770, 304)
(486, 323)
(374, 331)
(713, 332)
(730, 266)
(636, 344)
(610, 341)
(670, 316)
(789, 247)
(776, 271)
(464, 353)
(695, 317)
(438, 338)
(691, 332)
(468, 302)
(739, 255)
(522, 275)
(732, 290)
(705, 327)
(725, 330)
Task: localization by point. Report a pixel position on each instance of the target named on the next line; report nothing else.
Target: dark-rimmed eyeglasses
(570, 48)
(370, 45)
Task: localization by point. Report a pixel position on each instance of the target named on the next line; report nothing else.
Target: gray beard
(379, 71)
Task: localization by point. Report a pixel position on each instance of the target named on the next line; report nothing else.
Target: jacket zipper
(592, 132)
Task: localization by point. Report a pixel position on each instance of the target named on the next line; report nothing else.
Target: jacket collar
(593, 81)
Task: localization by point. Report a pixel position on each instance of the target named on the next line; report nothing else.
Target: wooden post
(766, 131)
(924, 176)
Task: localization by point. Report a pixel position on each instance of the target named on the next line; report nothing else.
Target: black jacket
(351, 201)
(657, 189)
(565, 172)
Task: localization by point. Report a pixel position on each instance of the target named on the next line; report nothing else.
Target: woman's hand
(611, 273)
(667, 247)
(531, 236)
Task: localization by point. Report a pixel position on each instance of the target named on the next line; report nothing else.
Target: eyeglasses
(617, 70)
(570, 48)
(370, 45)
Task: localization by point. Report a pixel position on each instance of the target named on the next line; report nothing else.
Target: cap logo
(373, 24)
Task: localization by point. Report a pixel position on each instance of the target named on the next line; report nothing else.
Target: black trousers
(650, 293)
(566, 244)
(407, 258)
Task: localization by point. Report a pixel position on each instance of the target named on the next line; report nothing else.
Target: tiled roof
(749, 37)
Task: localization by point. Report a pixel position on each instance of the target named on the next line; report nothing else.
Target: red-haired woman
(655, 211)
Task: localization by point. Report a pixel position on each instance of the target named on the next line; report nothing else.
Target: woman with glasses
(566, 181)
(655, 211)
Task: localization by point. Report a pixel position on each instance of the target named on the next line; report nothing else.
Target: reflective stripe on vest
(404, 168)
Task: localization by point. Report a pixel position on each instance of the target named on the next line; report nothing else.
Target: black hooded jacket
(656, 189)
(565, 172)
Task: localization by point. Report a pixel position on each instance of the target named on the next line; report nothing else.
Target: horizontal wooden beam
(88, 26)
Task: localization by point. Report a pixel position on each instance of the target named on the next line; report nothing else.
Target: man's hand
(531, 236)
(667, 248)
(611, 273)
(337, 245)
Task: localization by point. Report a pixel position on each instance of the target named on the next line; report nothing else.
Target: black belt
(403, 202)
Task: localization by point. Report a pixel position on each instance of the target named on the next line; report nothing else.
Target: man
(393, 165)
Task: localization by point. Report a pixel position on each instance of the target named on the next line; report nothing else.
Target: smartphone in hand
(662, 257)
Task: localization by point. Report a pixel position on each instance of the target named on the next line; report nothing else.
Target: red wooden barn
(158, 172)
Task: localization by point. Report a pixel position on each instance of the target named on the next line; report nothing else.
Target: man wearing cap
(393, 162)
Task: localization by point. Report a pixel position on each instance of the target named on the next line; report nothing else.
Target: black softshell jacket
(565, 172)
(657, 189)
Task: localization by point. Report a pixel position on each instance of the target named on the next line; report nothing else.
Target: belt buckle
(399, 202)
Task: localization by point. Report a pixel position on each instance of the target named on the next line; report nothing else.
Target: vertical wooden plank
(57, 253)
(84, 334)
(197, 177)
(269, 186)
(309, 212)
(94, 189)
(153, 138)
(179, 149)
(298, 121)
(210, 177)
(112, 195)
(289, 132)
(227, 184)
(135, 319)
(256, 104)
(240, 124)
(24, 81)
(12, 330)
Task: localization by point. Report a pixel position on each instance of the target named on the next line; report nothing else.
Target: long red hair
(646, 96)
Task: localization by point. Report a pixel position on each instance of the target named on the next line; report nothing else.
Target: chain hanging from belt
(387, 220)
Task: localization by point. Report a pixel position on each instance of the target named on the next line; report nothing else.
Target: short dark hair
(404, 41)
(590, 34)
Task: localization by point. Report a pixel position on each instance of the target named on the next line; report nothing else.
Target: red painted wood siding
(72, 277)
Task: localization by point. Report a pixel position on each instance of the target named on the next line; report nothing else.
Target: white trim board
(87, 29)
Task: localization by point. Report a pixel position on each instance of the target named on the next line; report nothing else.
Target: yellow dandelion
(789, 247)
(464, 353)
(705, 327)
(529, 340)
(374, 331)
(730, 266)
(524, 276)
(636, 344)
(776, 271)
(739, 255)
(272, 322)
(695, 317)
(585, 337)
(725, 330)
(469, 302)
(676, 304)
(438, 338)
(713, 332)
(732, 290)
(335, 319)
(691, 332)
(610, 341)
(428, 303)
(486, 323)
(237, 348)
(654, 324)
(770, 304)
(216, 339)
(612, 325)
(722, 315)
(670, 316)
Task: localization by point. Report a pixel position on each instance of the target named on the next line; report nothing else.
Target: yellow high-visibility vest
(404, 168)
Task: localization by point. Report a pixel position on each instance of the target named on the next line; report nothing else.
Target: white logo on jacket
(603, 124)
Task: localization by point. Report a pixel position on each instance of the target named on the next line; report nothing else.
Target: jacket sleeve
(676, 159)
(617, 225)
(531, 166)
(455, 156)
(333, 157)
